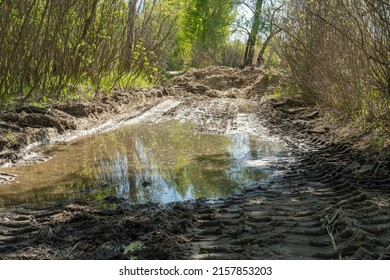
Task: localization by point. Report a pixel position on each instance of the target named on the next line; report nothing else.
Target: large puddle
(164, 162)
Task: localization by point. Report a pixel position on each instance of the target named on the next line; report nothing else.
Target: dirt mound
(222, 81)
(81, 109)
(118, 102)
(29, 125)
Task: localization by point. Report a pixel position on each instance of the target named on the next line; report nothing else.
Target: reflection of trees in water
(268, 148)
(118, 174)
(241, 149)
(161, 187)
(177, 162)
(170, 162)
(141, 171)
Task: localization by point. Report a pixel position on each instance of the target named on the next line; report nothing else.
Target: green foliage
(203, 31)
(272, 57)
(133, 247)
(233, 54)
(136, 81)
(51, 49)
(287, 91)
(377, 143)
(14, 139)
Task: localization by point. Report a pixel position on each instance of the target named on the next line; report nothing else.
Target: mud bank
(329, 201)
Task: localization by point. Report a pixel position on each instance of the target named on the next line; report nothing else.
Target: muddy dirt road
(326, 200)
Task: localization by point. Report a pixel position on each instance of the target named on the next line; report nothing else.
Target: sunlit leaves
(203, 31)
(53, 48)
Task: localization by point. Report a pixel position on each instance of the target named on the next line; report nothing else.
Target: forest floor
(332, 200)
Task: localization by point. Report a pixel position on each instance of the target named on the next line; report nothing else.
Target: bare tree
(252, 38)
(273, 30)
(338, 52)
(132, 16)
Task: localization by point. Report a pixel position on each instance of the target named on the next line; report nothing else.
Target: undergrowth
(85, 90)
(371, 118)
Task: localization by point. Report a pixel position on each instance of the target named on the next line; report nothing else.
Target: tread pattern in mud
(322, 208)
(5, 177)
(331, 203)
(210, 116)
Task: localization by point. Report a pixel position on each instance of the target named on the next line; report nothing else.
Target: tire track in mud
(330, 203)
(18, 225)
(156, 114)
(153, 115)
(209, 116)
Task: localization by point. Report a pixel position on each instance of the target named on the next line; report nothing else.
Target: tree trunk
(251, 44)
(131, 24)
(260, 57)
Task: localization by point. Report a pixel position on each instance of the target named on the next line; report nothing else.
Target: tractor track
(315, 211)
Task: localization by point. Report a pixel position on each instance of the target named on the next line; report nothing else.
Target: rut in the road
(318, 213)
(332, 203)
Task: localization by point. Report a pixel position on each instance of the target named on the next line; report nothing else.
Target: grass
(287, 91)
(13, 139)
(377, 143)
(82, 89)
(127, 80)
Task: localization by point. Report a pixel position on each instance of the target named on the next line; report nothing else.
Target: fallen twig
(331, 221)
(331, 238)
(376, 170)
(342, 202)
(71, 251)
(330, 227)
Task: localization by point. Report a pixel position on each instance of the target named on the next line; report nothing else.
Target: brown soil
(331, 202)
(222, 82)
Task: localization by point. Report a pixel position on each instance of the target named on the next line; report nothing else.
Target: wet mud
(328, 201)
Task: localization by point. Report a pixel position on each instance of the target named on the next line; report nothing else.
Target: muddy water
(163, 162)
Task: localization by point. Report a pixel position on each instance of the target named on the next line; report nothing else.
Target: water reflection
(116, 172)
(239, 149)
(240, 146)
(162, 163)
